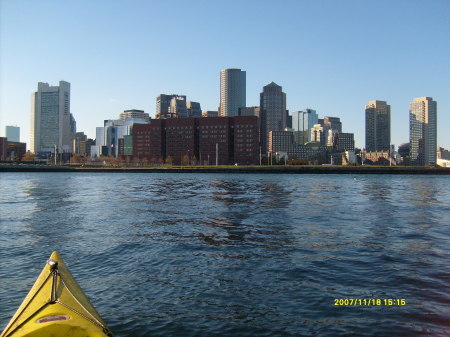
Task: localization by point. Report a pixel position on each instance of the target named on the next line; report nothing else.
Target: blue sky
(332, 56)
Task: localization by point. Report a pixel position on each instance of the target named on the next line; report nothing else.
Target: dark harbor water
(236, 255)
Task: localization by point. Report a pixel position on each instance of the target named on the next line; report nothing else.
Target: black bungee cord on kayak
(54, 267)
(54, 299)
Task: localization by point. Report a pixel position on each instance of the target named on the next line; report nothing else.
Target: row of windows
(179, 133)
(213, 132)
(245, 131)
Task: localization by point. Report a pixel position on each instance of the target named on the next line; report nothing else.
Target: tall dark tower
(378, 126)
(273, 112)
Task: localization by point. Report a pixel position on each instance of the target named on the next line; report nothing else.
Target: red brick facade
(16, 150)
(181, 140)
(246, 149)
(141, 142)
(3, 148)
(193, 140)
(214, 132)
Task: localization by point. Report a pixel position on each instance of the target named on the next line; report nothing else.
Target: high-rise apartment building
(12, 133)
(302, 123)
(423, 131)
(378, 126)
(51, 119)
(232, 92)
(273, 112)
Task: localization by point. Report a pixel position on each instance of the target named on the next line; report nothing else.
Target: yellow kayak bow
(56, 306)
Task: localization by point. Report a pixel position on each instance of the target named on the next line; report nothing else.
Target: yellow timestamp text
(369, 301)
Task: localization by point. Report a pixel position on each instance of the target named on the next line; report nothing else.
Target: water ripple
(236, 255)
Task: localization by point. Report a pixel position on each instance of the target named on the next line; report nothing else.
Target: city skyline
(324, 65)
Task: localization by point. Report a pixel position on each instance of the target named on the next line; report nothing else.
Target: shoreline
(233, 169)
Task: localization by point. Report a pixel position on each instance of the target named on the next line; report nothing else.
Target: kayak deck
(56, 306)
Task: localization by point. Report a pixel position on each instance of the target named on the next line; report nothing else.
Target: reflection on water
(244, 255)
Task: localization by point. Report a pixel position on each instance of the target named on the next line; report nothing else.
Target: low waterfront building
(383, 158)
(344, 141)
(15, 150)
(283, 141)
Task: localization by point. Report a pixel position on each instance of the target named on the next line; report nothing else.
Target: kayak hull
(56, 306)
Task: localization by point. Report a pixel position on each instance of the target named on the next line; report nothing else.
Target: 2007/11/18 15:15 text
(369, 301)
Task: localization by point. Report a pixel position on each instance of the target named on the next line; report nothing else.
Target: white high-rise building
(232, 92)
(423, 131)
(50, 119)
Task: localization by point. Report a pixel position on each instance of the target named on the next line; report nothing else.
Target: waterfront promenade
(307, 169)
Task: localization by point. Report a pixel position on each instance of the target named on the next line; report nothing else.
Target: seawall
(232, 169)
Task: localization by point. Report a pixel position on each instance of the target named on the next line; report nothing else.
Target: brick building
(246, 139)
(195, 140)
(181, 140)
(3, 147)
(215, 133)
(15, 150)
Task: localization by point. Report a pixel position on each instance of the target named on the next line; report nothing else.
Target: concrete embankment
(233, 169)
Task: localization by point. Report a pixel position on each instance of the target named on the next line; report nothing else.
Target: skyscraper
(194, 109)
(163, 104)
(423, 131)
(51, 118)
(378, 126)
(273, 111)
(302, 123)
(334, 123)
(232, 92)
(12, 133)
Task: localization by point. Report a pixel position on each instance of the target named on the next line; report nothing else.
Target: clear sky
(333, 56)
